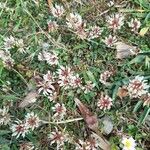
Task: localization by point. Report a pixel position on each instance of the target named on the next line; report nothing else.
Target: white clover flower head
(137, 87)
(8, 62)
(94, 32)
(110, 40)
(115, 21)
(146, 99)
(57, 10)
(110, 3)
(76, 81)
(134, 24)
(58, 137)
(52, 26)
(5, 56)
(3, 5)
(52, 96)
(74, 20)
(81, 33)
(82, 145)
(48, 77)
(26, 146)
(19, 129)
(105, 102)
(59, 111)
(9, 42)
(64, 72)
(32, 120)
(65, 75)
(45, 87)
(88, 87)
(4, 116)
(20, 45)
(129, 143)
(43, 56)
(105, 76)
(64, 82)
(50, 57)
(93, 142)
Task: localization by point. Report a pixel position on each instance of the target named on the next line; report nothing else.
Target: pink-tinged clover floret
(74, 20)
(94, 32)
(115, 21)
(32, 120)
(110, 41)
(19, 129)
(52, 26)
(59, 111)
(137, 87)
(105, 102)
(57, 10)
(134, 24)
(58, 137)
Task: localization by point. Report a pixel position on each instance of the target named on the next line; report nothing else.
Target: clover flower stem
(18, 96)
(62, 122)
(60, 45)
(21, 77)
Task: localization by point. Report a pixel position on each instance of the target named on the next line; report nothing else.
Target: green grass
(28, 21)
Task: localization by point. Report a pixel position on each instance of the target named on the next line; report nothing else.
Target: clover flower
(52, 96)
(59, 111)
(105, 102)
(115, 21)
(32, 120)
(81, 32)
(146, 99)
(57, 10)
(110, 41)
(48, 77)
(134, 25)
(94, 32)
(26, 146)
(65, 76)
(4, 116)
(129, 143)
(88, 87)
(105, 76)
(58, 137)
(76, 81)
(20, 44)
(137, 87)
(64, 72)
(93, 143)
(19, 129)
(9, 42)
(43, 56)
(74, 20)
(53, 59)
(82, 145)
(52, 26)
(8, 62)
(45, 87)
(50, 57)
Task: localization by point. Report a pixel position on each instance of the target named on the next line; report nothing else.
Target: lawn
(74, 75)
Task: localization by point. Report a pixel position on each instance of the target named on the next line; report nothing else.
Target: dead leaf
(122, 92)
(124, 50)
(92, 123)
(89, 118)
(30, 98)
(49, 3)
(108, 124)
